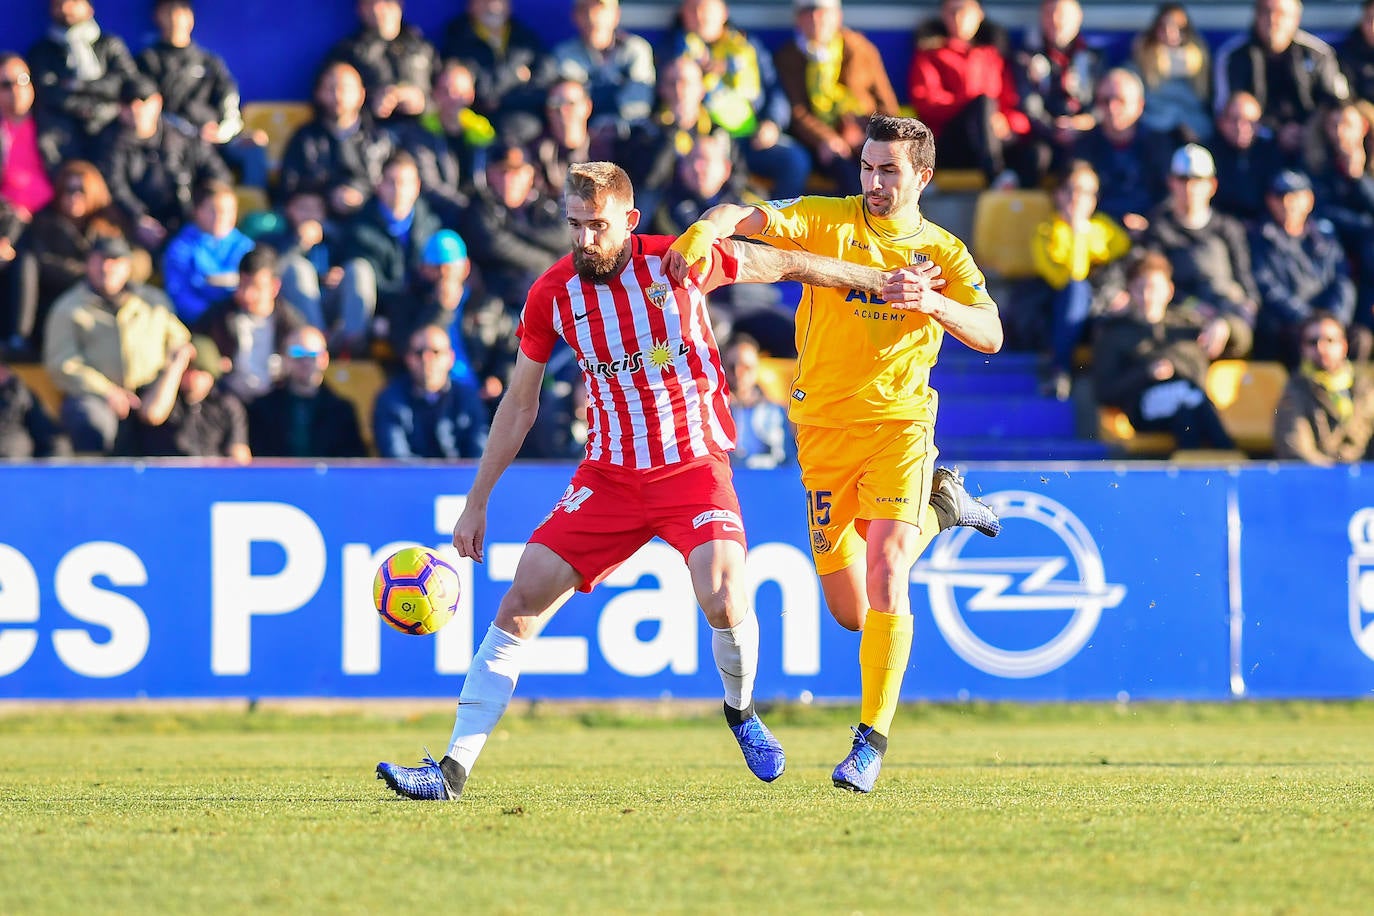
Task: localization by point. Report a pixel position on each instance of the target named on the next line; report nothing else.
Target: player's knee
(723, 607)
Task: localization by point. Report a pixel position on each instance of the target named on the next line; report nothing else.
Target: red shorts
(607, 513)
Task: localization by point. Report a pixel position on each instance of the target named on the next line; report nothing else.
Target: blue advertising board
(1148, 582)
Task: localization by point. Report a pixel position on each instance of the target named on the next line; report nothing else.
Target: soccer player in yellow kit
(862, 402)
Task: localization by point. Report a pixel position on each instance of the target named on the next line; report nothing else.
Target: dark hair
(1321, 317)
(911, 131)
(208, 189)
(258, 258)
(163, 4)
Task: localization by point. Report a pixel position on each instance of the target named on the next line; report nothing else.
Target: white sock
(487, 690)
(736, 650)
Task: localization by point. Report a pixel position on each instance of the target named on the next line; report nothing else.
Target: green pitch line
(1251, 808)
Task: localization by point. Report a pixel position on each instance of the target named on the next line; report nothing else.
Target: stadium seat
(279, 120)
(37, 379)
(960, 180)
(1003, 222)
(1246, 393)
(251, 200)
(1115, 429)
(358, 381)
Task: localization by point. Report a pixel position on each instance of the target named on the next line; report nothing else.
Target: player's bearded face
(600, 237)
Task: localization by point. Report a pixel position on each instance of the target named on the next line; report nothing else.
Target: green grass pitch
(1238, 808)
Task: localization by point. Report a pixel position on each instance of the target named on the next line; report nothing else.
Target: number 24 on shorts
(818, 507)
(573, 499)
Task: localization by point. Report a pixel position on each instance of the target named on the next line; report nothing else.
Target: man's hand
(909, 287)
(309, 233)
(767, 135)
(149, 231)
(1214, 337)
(1161, 370)
(122, 402)
(470, 531)
(691, 253)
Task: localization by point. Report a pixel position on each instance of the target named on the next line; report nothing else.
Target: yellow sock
(884, 650)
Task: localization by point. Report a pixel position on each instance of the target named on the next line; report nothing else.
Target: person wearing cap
(106, 338)
(1325, 415)
(1292, 72)
(151, 167)
(834, 80)
(1210, 255)
(616, 66)
(251, 325)
(302, 416)
(185, 413)
(513, 229)
(380, 250)
(1072, 251)
(481, 329)
(78, 70)
(1300, 269)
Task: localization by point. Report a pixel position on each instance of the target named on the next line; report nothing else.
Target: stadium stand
(991, 408)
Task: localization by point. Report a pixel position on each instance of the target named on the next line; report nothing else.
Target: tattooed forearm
(762, 263)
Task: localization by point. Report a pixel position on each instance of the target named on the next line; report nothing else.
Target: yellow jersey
(860, 360)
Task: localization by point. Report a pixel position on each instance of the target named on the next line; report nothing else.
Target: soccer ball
(416, 591)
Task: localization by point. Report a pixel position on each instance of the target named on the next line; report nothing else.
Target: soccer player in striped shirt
(656, 462)
(862, 401)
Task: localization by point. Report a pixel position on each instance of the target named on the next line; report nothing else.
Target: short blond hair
(595, 182)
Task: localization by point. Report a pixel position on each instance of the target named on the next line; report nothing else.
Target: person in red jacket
(962, 87)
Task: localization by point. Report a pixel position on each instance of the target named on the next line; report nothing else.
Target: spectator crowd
(1211, 200)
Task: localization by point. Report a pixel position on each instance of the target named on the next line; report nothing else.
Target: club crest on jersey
(783, 204)
(819, 542)
(658, 294)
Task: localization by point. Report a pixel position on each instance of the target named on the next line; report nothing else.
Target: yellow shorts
(857, 474)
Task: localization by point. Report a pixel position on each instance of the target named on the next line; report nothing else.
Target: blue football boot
(430, 781)
(762, 752)
(859, 770)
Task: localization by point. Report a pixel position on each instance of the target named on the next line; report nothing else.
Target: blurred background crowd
(186, 274)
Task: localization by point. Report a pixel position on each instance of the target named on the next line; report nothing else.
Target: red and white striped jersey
(656, 392)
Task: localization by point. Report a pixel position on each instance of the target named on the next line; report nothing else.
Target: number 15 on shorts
(818, 507)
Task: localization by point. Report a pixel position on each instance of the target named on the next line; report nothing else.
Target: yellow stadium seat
(251, 200)
(1115, 429)
(37, 379)
(952, 180)
(358, 381)
(1003, 223)
(1246, 394)
(775, 377)
(279, 120)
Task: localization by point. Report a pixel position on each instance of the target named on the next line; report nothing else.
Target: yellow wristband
(695, 244)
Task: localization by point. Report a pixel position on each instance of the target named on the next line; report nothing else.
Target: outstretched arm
(762, 263)
(691, 252)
